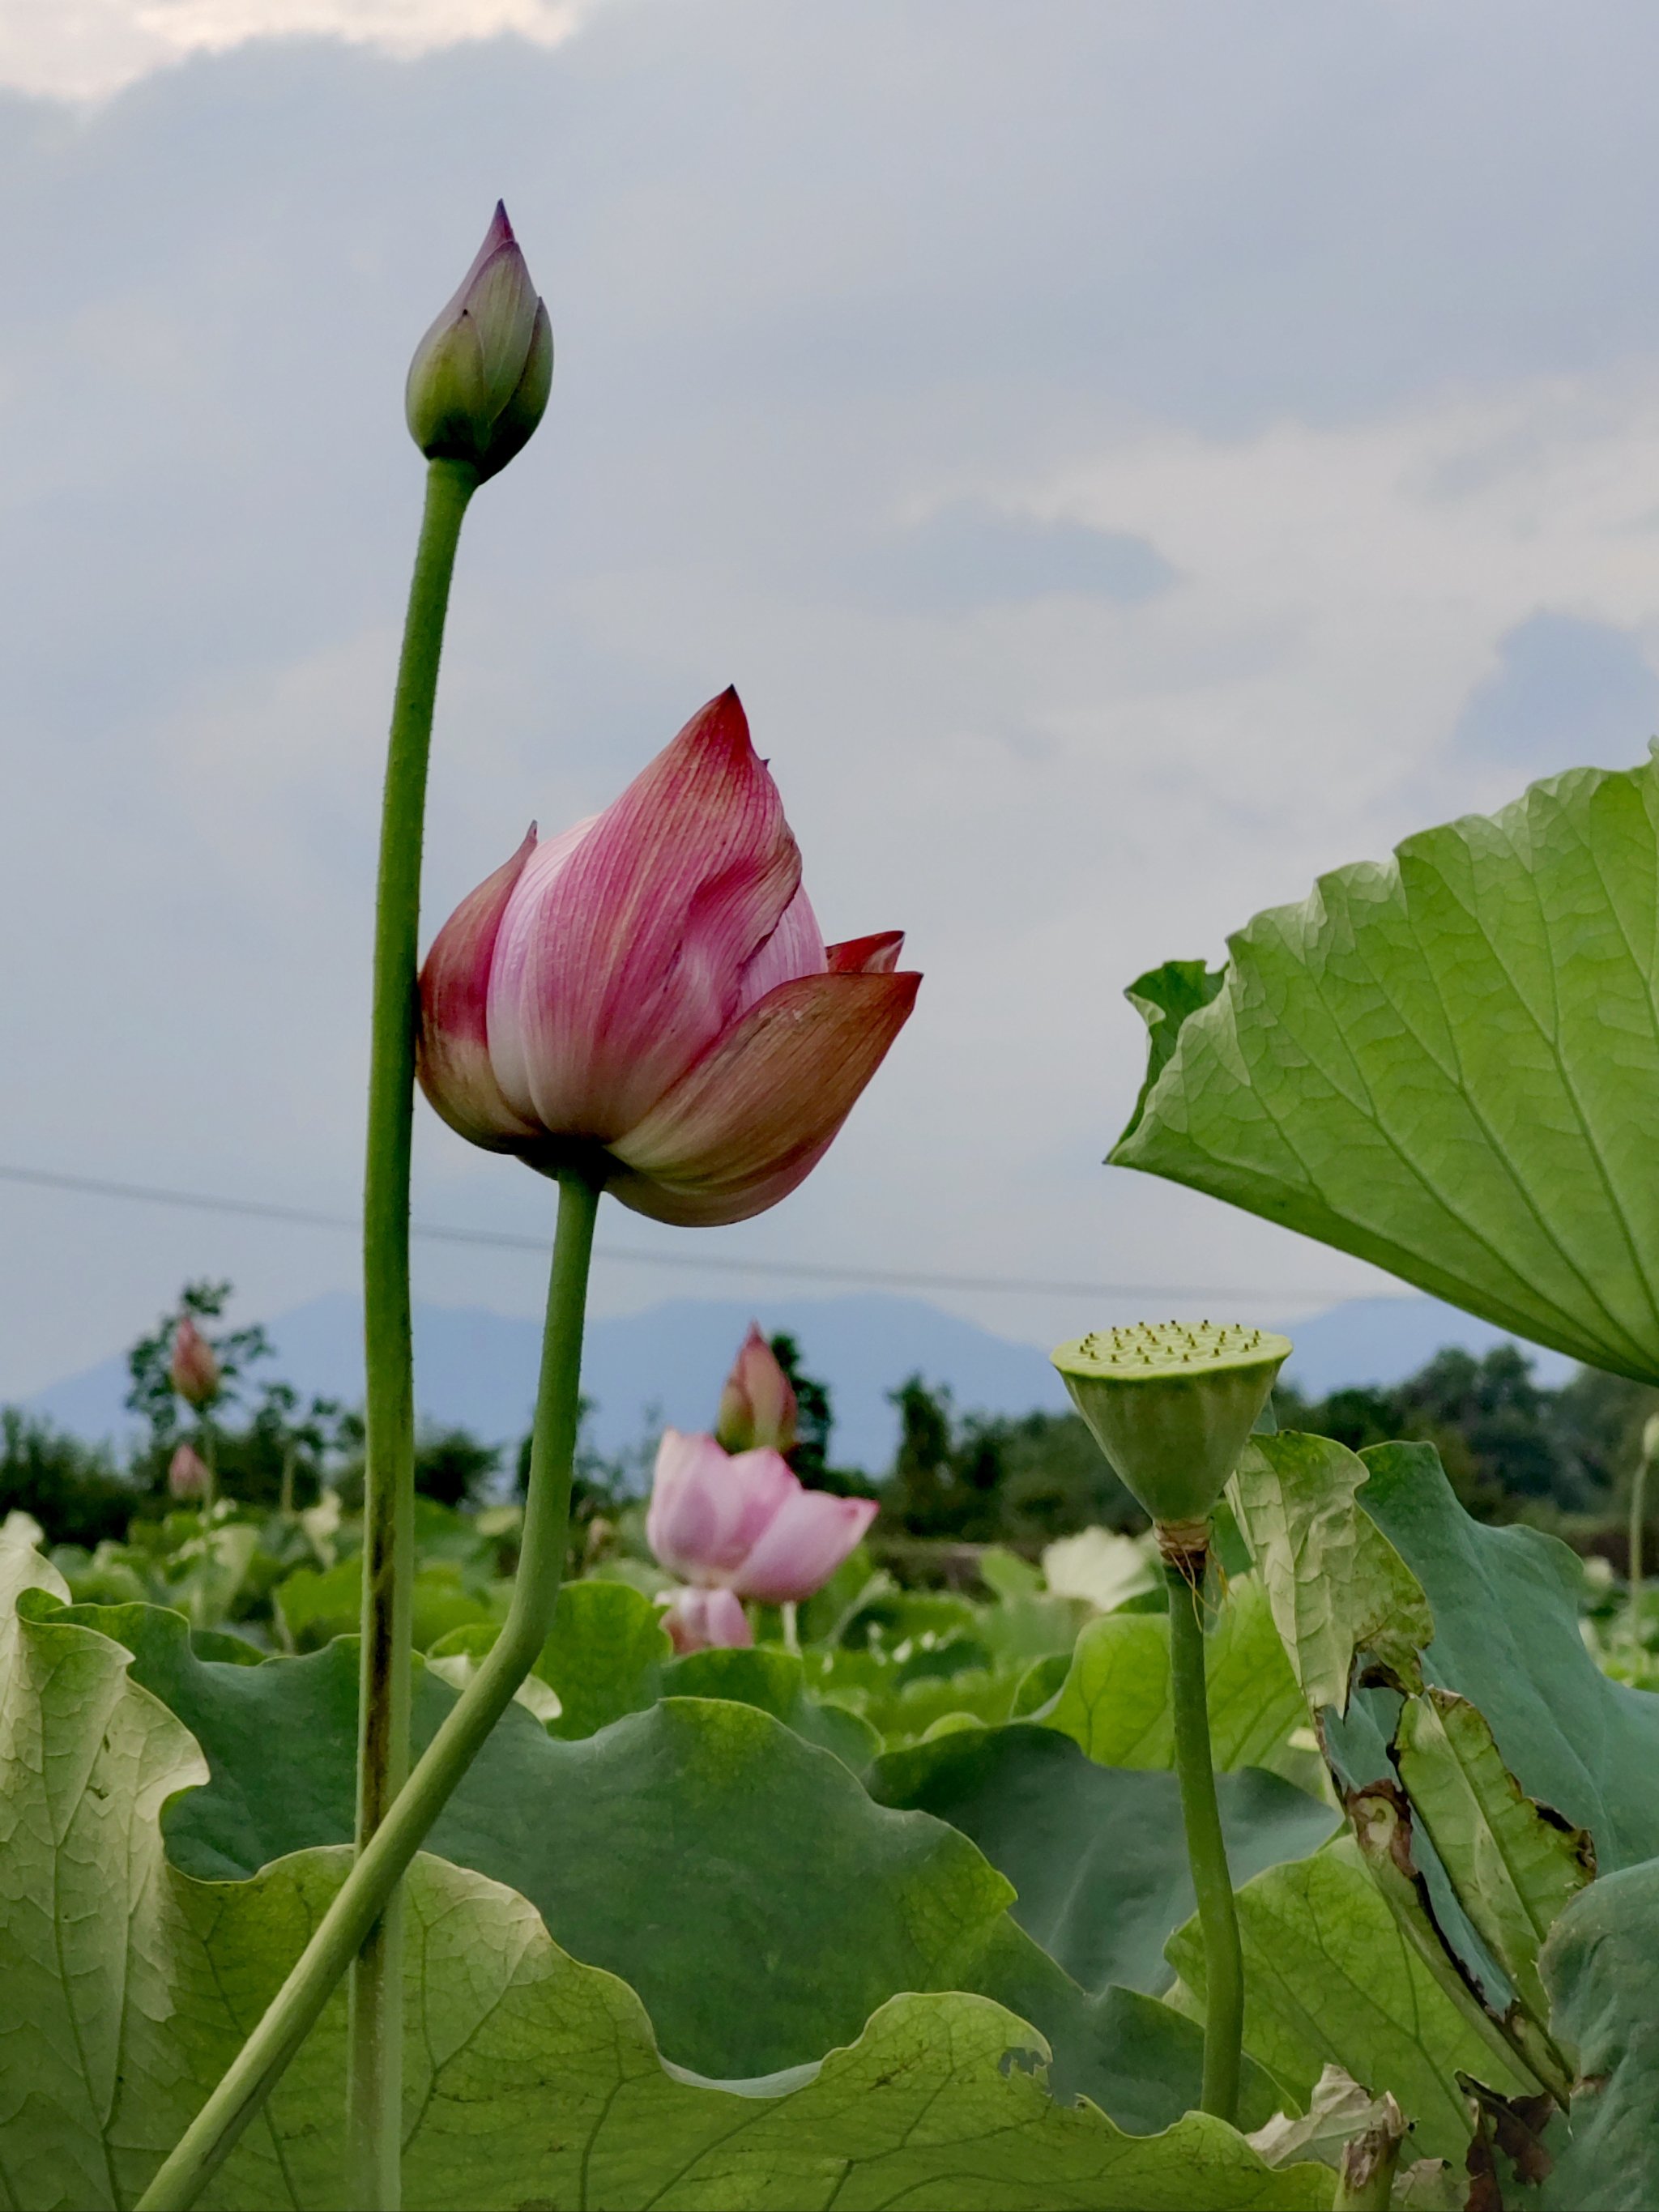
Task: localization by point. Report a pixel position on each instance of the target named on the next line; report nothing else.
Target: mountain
(477, 1370)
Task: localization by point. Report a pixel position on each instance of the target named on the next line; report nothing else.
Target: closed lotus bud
(187, 1475)
(1171, 1405)
(757, 1406)
(649, 994)
(479, 381)
(707, 1621)
(193, 1370)
(745, 1523)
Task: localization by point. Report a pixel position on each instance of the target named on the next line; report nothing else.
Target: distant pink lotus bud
(479, 381)
(193, 1370)
(650, 993)
(707, 1621)
(187, 1475)
(744, 1522)
(757, 1406)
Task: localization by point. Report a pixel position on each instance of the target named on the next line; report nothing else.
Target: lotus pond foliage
(1214, 1801)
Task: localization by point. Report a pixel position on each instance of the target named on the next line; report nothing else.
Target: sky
(1131, 459)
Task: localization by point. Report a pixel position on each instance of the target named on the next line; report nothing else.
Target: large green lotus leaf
(1505, 1607)
(1114, 1701)
(529, 2079)
(1448, 1064)
(1098, 1854)
(741, 1879)
(775, 1680)
(1336, 1585)
(1330, 1978)
(1599, 1966)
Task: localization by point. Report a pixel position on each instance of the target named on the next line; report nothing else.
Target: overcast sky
(1129, 457)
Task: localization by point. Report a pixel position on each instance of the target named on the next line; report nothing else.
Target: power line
(714, 1263)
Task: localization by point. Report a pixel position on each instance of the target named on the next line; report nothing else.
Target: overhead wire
(698, 1262)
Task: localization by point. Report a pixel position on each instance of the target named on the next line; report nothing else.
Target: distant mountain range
(477, 1370)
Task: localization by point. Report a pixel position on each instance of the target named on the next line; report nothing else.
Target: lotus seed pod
(1170, 1404)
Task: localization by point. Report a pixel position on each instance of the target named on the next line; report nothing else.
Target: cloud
(88, 49)
(1114, 463)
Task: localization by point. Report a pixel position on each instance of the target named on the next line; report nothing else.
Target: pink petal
(794, 948)
(804, 1543)
(866, 955)
(757, 1405)
(706, 1621)
(708, 1507)
(611, 979)
(453, 1056)
(509, 1046)
(756, 1114)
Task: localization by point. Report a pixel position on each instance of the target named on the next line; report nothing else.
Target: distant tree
(814, 1418)
(72, 1489)
(452, 1468)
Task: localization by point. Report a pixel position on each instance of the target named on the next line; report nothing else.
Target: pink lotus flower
(193, 1370)
(650, 993)
(707, 1621)
(744, 1522)
(187, 1475)
(757, 1405)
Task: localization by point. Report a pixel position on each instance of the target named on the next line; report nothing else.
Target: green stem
(369, 1886)
(1639, 1513)
(374, 2037)
(1206, 1848)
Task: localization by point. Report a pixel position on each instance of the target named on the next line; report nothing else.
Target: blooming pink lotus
(758, 1404)
(744, 1522)
(193, 1371)
(650, 993)
(707, 1621)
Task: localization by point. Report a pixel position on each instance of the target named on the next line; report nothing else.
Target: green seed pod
(1170, 1404)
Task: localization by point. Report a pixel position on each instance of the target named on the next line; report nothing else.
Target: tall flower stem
(1207, 1849)
(374, 2060)
(381, 1864)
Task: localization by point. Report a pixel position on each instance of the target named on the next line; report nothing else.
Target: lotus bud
(187, 1475)
(1171, 1405)
(648, 994)
(745, 1523)
(479, 381)
(757, 1406)
(707, 1621)
(193, 1370)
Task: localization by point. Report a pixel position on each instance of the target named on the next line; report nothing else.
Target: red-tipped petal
(611, 981)
(453, 1057)
(866, 955)
(803, 1544)
(743, 1127)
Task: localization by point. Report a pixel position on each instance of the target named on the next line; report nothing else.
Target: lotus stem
(374, 2058)
(1185, 1549)
(1638, 1514)
(384, 1860)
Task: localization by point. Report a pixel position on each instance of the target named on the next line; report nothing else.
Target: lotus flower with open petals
(743, 1522)
(649, 994)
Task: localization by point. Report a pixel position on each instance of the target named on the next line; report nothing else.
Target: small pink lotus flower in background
(194, 1371)
(757, 1405)
(479, 381)
(187, 1475)
(707, 1621)
(649, 993)
(744, 1522)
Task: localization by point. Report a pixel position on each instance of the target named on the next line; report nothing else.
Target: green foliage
(981, 1478)
(1598, 1964)
(1094, 1852)
(72, 1490)
(1114, 1701)
(1446, 1064)
(1331, 1980)
(137, 1980)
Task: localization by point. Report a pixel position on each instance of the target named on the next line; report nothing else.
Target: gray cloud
(909, 350)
